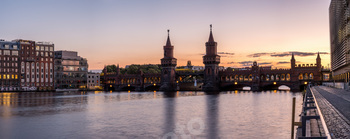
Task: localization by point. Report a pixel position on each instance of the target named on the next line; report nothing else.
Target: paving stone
(335, 107)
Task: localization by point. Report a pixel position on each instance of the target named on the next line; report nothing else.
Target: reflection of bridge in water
(212, 79)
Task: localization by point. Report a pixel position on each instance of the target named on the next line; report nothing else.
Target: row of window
(8, 64)
(8, 69)
(7, 46)
(9, 52)
(9, 58)
(44, 48)
(8, 76)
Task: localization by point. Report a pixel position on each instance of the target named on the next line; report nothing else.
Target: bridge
(214, 79)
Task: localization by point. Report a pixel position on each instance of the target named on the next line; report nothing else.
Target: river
(231, 114)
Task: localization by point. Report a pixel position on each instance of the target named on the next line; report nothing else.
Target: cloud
(225, 53)
(283, 62)
(265, 63)
(284, 54)
(245, 63)
(258, 54)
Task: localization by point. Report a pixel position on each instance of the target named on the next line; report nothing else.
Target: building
(93, 81)
(168, 63)
(211, 60)
(339, 14)
(71, 70)
(9, 66)
(37, 62)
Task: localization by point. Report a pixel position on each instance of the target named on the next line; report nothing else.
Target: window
(37, 48)
(51, 48)
(42, 48)
(7, 52)
(15, 53)
(14, 47)
(7, 46)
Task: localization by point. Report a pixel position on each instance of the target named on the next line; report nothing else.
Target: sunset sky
(135, 31)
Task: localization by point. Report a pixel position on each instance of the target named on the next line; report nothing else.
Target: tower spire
(168, 43)
(293, 56)
(318, 55)
(211, 38)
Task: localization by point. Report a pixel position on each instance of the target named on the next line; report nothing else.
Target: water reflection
(169, 115)
(212, 113)
(234, 114)
(38, 103)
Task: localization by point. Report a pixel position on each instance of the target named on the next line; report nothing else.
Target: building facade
(9, 69)
(339, 14)
(93, 81)
(71, 70)
(37, 65)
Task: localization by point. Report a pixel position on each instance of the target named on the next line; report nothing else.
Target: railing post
(293, 117)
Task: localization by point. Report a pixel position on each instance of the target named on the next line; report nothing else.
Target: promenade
(335, 107)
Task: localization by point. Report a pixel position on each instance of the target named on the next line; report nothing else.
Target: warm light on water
(233, 114)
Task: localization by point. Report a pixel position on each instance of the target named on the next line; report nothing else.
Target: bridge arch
(152, 87)
(235, 86)
(127, 88)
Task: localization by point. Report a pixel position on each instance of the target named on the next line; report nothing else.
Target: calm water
(147, 115)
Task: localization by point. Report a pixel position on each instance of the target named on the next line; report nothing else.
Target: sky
(134, 31)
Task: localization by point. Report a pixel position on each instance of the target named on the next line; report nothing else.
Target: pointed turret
(292, 61)
(211, 38)
(168, 43)
(118, 69)
(318, 61)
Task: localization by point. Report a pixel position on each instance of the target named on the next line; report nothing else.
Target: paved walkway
(335, 107)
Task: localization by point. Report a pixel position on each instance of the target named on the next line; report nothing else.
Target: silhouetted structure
(213, 78)
(211, 61)
(168, 67)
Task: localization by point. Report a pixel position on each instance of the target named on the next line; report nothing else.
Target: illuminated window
(283, 77)
(0, 76)
(12, 76)
(300, 76)
(4, 76)
(305, 76)
(311, 76)
(37, 48)
(16, 76)
(288, 77)
(8, 76)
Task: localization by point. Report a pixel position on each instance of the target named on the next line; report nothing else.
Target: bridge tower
(211, 61)
(292, 62)
(168, 63)
(318, 62)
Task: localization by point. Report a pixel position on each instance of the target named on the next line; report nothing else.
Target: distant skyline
(134, 32)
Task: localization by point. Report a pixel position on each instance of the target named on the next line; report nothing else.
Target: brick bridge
(212, 79)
